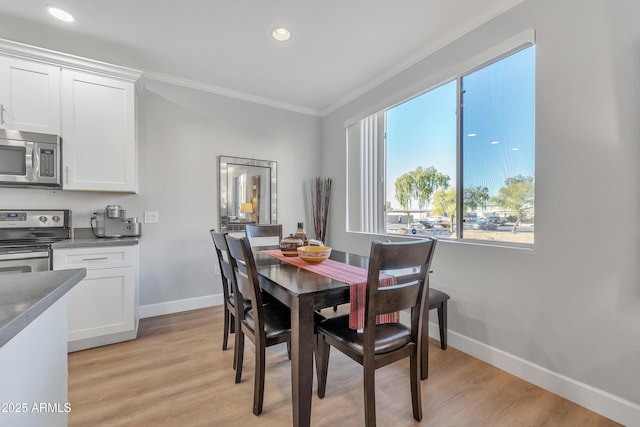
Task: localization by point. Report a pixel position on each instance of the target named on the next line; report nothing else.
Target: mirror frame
(223, 190)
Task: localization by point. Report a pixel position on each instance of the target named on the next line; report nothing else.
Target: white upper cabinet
(98, 133)
(29, 96)
(90, 104)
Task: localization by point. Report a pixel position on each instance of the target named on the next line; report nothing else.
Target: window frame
(499, 52)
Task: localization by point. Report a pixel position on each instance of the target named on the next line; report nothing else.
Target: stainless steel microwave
(29, 159)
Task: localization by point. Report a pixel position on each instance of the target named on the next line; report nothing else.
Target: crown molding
(205, 87)
(34, 53)
(47, 56)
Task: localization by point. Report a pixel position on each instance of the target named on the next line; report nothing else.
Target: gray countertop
(24, 296)
(83, 238)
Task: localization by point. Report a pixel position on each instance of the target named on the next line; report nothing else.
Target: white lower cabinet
(103, 307)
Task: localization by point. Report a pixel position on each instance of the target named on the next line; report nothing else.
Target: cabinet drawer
(94, 258)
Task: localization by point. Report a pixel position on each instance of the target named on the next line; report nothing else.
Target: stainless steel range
(26, 236)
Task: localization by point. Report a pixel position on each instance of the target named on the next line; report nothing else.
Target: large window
(454, 162)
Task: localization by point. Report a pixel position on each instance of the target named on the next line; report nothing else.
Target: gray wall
(571, 305)
(181, 134)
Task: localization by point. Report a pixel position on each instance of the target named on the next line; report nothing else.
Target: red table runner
(355, 277)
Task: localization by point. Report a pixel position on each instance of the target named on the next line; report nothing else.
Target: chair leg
(239, 353)
(369, 396)
(322, 350)
(442, 322)
(258, 387)
(236, 323)
(225, 328)
(416, 397)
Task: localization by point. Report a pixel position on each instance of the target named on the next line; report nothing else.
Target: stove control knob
(43, 219)
(55, 218)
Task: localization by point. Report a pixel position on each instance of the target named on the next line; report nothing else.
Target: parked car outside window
(496, 219)
(485, 224)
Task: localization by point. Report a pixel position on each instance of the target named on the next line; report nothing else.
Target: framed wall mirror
(247, 193)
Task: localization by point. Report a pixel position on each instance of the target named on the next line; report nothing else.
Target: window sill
(467, 241)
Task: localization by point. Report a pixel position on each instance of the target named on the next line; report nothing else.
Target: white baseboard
(606, 404)
(169, 307)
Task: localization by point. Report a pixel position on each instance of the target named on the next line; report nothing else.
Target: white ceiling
(339, 48)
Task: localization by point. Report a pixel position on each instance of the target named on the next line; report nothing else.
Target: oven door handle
(23, 255)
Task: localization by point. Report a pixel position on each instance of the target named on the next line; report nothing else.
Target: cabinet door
(29, 96)
(102, 303)
(98, 133)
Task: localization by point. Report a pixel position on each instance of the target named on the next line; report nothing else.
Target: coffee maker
(111, 222)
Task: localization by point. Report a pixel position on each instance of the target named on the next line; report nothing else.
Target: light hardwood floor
(175, 374)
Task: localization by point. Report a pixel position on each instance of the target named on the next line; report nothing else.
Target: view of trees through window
(481, 167)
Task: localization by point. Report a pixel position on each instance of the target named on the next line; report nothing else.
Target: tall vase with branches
(320, 197)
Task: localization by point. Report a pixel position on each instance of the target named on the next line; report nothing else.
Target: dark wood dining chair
(230, 319)
(378, 345)
(257, 234)
(265, 324)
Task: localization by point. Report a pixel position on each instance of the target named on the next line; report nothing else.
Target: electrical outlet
(151, 217)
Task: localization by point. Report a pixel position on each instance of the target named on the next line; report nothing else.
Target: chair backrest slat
(397, 298)
(264, 236)
(402, 255)
(263, 230)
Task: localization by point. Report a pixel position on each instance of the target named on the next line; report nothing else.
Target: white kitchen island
(33, 347)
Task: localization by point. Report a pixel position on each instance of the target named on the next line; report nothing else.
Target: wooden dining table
(305, 292)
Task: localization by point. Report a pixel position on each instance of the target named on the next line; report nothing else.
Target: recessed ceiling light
(515, 149)
(472, 134)
(60, 14)
(495, 142)
(281, 34)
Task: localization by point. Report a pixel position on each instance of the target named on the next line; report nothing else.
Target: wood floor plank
(176, 374)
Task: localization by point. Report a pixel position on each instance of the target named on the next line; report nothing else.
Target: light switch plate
(151, 217)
